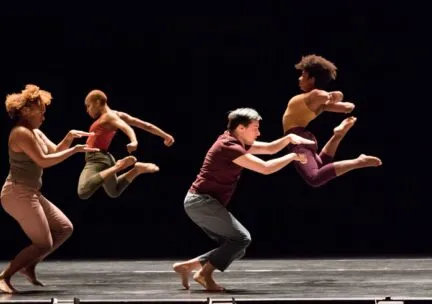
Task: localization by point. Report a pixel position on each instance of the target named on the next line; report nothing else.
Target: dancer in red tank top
(101, 168)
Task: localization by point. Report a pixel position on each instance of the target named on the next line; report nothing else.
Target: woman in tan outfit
(29, 152)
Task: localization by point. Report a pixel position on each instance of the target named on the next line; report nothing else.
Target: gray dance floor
(246, 280)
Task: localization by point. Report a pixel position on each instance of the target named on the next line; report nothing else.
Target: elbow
(266, 170)
(339, 95)
(55, 149)
(350, 107)
(43, 164)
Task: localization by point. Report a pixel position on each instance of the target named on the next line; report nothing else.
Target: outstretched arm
(65, 143)
(146, 126)
(26, 141)
(256, 164)
(259, 147)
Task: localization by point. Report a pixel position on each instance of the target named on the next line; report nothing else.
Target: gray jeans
(220, 225)
(90, 180)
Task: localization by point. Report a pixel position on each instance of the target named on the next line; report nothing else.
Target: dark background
(183, 66)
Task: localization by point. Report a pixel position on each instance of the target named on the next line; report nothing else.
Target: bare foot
(369, 161)
(125, 162)
(146, 167)
(207, 282)
(184, 271)
(6, 287)
(30, 275)
(344, 126)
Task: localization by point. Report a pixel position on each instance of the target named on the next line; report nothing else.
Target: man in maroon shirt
(206, 200)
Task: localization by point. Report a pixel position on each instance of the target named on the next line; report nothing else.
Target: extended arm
(65, 143)
(259, 147)
(256, 164)
(144, 125)
(25, 140)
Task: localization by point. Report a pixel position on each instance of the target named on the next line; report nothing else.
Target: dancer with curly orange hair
(30, 151)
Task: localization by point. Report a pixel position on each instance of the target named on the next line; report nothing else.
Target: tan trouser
(45, 224)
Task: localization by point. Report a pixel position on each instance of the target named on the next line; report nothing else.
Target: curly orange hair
(31, 94)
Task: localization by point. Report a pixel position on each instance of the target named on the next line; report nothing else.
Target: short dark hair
(97, 95)
(242, 116)
(318, 67)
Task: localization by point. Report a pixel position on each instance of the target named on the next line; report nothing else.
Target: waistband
(36, 187)
(297, 130)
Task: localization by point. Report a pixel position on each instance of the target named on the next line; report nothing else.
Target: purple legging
(319, 168)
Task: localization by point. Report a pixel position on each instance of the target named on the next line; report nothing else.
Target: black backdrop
(182, 67)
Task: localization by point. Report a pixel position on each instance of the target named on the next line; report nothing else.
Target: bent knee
(247, 240)
(68, 229)
(113, 194)
(315, 183)
(45, 245)
(244, 240)
(83, 194)
(315, 180)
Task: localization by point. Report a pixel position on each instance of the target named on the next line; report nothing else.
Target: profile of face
(250, 133)
(34, 114)
(306, 83)
(93, 108)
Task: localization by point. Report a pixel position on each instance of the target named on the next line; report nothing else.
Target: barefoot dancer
(29, 152)
(317, 72)
(206, 200)
(101, 168)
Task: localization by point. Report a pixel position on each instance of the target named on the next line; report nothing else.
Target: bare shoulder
(109, 117)
(297, 98)
(110, 120)
(121, 114)
(317, 94)
(18, 135)
(315, 99)
(20, 132)
(112, 114)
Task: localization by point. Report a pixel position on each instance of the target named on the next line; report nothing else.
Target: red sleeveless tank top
(102, 138)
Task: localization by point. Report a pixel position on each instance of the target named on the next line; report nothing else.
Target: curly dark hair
(323, 70)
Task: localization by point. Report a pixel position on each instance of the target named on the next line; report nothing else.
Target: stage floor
(245, 279)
